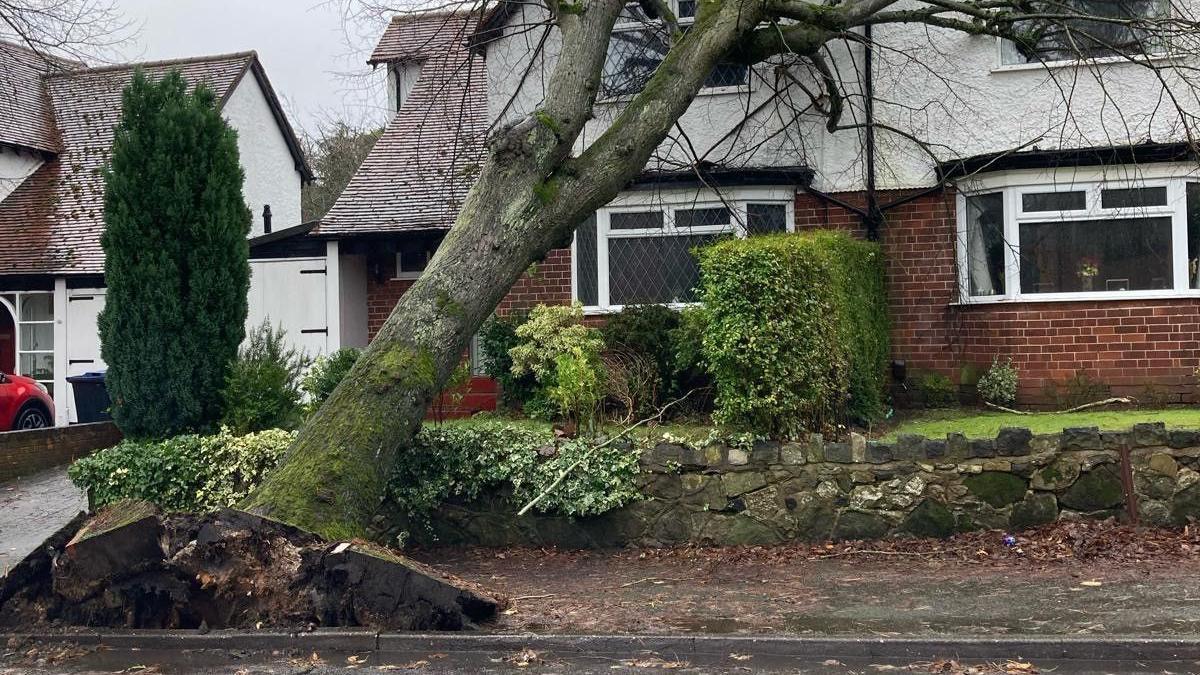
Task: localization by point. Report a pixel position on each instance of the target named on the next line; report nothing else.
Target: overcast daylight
(318, 70)
(826, 337)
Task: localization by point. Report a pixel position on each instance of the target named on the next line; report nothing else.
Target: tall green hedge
(797, 336)
(175, 258)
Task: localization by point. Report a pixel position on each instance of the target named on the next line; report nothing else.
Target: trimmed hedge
(797, 335)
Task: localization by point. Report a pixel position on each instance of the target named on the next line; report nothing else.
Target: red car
(24, 403)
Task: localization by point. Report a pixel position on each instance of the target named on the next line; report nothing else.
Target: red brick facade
(1136, 347)
(1126, 344)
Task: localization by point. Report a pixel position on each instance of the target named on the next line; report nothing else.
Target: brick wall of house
(26, 452)
(547, 282)
(1143, 348)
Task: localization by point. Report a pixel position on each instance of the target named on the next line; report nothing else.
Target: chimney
(266, 219)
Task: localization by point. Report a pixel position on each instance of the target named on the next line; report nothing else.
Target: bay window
(640, 249)
(1079, 240)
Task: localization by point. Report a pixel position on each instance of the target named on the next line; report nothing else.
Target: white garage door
(291, 293)
(83, 339)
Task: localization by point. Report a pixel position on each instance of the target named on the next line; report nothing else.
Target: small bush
(326, 374)
(937, 391)
(999, 384)
(578, 387)
(797, 334)
(183, 473)
(262, 390)
(497, 336)
(632, 382)
(555, 344)
(691, 372)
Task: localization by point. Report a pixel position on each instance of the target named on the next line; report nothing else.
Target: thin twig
(1085, 406)
(644, 580)
(532, 597)
(565, 472)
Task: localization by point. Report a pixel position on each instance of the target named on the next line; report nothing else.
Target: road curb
(1088, 648)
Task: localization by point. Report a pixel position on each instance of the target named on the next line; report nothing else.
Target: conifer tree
(175, 258)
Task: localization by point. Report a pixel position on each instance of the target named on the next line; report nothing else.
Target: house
(56, 134)
(1064, 237)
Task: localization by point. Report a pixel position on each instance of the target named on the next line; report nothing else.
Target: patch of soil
(1082, 577)
(130, 566)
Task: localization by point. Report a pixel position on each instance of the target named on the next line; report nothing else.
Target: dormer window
(640, 43)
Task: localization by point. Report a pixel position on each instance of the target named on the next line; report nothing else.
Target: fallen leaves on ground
(524, 658)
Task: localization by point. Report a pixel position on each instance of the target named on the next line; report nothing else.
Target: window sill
(594, 310)
(1100, 61)
(406, 277)
(1131, 296)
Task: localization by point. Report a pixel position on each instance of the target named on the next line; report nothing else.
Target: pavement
(343, 651)
(32, 508)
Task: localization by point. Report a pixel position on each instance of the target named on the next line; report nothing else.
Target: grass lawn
(985, 424)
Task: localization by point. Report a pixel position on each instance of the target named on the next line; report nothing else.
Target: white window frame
(19, 349)
(1012, 185)
(403, 274)
(627, 26)
(736, 200)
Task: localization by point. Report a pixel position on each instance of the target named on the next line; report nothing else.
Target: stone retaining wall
(775, 492)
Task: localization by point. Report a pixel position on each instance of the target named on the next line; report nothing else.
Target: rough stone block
(957, 446)
(858, 447)
(1162, 463)
(764, 453)
(909, 447)
(853, 524)
(1038, 508)
(1058, 475)
(981, 447)
(838, 452)
(930, 519)
(1013, 441)
(714, 455)
(996, 488)
(791, 454)
(1149, 434)
(878, 453)
(1095, 490)
(738, 457)
(740, 483)
(934, 449)
(1182, 438)
(1081, 438)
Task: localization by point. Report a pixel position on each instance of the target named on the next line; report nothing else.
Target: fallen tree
(535, 185)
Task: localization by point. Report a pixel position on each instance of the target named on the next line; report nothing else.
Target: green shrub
(326, 373)
(578, 387)
(497, 336)
(262, 390)
(999, 384)
(691, 373)
(175, 258)
(183, 473)
(551, 333)
(796, 336)
(937, 391)
(464, 459)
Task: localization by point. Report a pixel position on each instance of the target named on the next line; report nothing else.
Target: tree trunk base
(131, 567)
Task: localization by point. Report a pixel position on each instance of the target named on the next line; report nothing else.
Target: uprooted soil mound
(130, 566)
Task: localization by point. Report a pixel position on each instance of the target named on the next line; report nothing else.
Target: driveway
(32, 508)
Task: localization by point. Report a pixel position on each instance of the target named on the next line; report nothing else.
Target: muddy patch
(130, 566)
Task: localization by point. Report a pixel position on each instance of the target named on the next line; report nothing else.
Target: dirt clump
(131, 566)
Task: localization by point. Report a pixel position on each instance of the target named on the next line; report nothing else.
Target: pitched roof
(419, 172)
(53, 221)
(25, 119)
